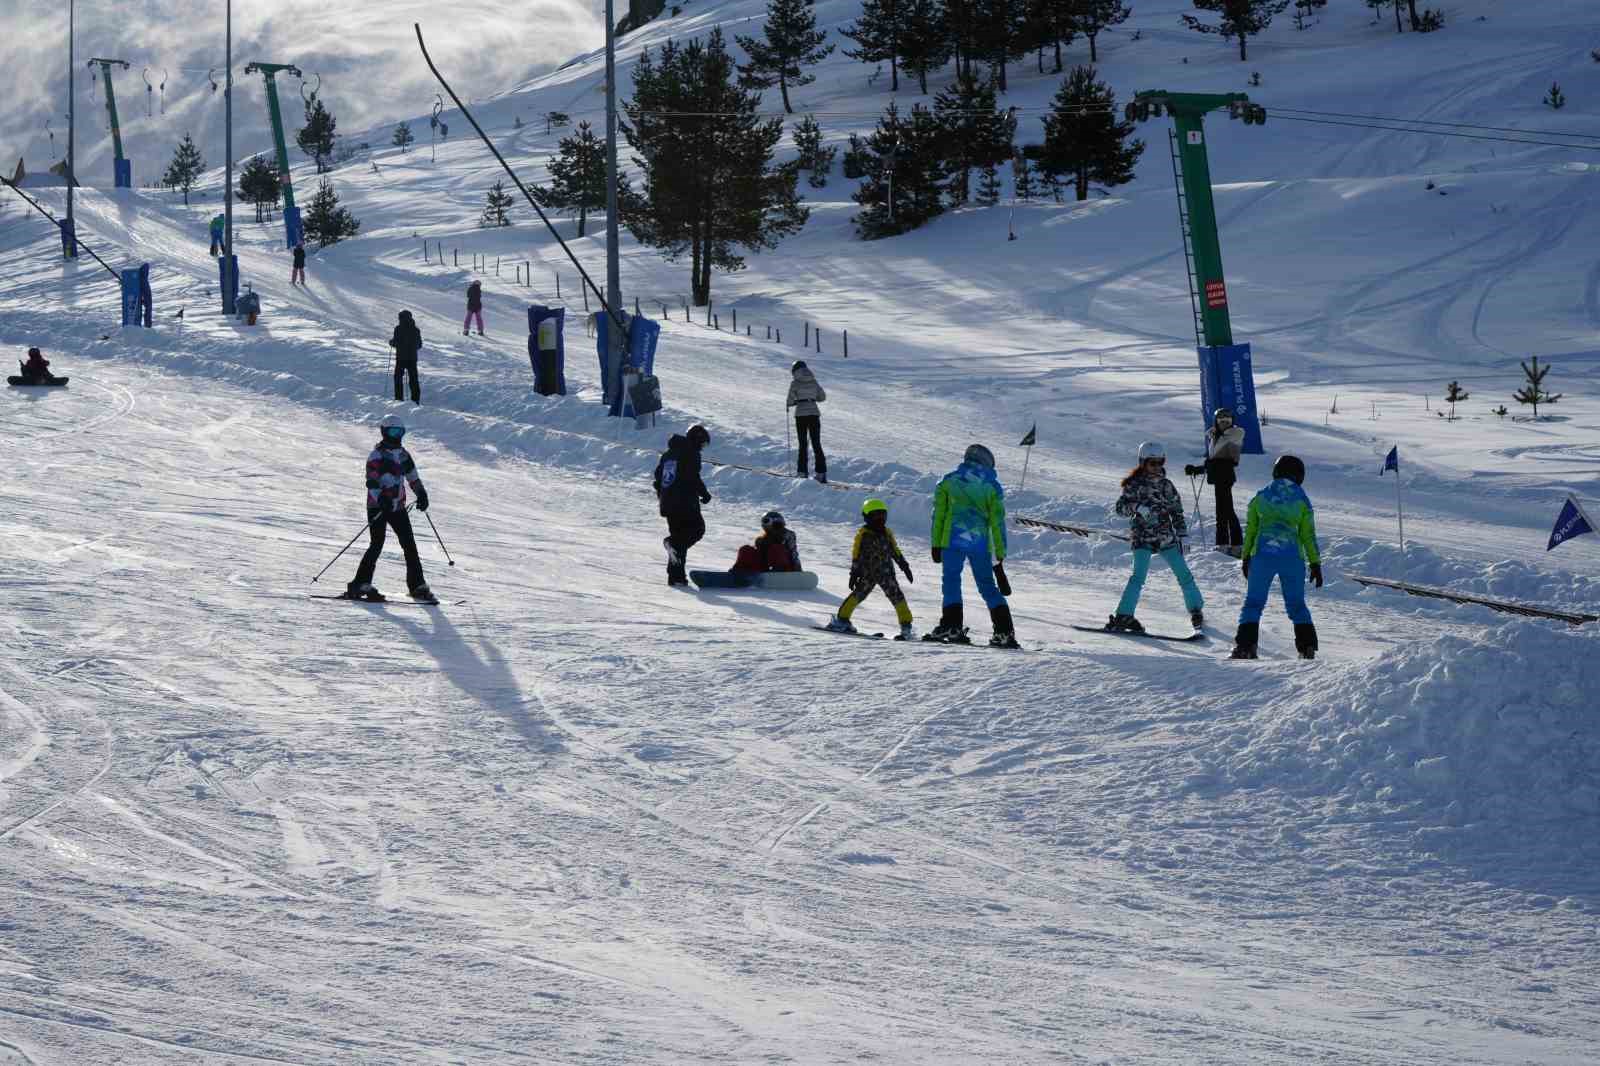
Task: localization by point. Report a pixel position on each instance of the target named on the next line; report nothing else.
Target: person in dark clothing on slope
(1224, 445)
(474, 308)
(389, 470)
(681, 491)
(298, 274)
(406, 342)
(36, 371)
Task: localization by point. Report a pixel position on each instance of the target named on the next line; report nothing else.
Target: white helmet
(392, 426)
(1152, 449)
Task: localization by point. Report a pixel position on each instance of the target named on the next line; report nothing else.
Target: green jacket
(1280, 522)
(969, 511)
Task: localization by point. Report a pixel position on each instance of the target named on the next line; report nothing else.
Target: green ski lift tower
(121, 165)
(294, 231)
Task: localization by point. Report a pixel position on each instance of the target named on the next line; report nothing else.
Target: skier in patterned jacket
(873, 558)
(969, 522)
(389, 470)
(1158, 527)
(1280, 539)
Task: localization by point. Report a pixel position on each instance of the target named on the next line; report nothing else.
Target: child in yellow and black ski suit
(873, 558)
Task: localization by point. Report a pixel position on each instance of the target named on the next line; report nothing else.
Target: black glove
(1000, 579)
(705, 497)
(1247, 568)
(422, 498)
(856, 577)
(905, 568)
(1316, 574)
(1194, 471)
(938, 555)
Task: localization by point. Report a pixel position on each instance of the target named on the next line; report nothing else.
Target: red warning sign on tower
(1216, 294)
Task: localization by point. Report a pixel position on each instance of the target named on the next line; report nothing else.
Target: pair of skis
(917, 640)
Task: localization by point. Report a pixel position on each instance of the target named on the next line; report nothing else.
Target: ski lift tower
(294, 232)
(122, 167)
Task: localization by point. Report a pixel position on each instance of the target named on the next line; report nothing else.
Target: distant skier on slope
(681, 491)
(775, 550)
(406, 342)
(474, 309)
(218, 229)
(1280, 538)
(969, 521)
(1155, 512)
(297, 272)
(804, 395)
(873, 558)
(389, 470)
(1224, 445)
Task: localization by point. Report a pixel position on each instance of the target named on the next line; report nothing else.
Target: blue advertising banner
(228, 280)
(640, 353)
(130, 296)
(1226, 380)
(122, 173)
(547, 349)
(293, 228)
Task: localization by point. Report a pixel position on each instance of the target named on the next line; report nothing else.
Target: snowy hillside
(573, 815)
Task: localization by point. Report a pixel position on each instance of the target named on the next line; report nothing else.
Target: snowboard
(858, 633)
(407, 602)
(792, 581)
(927, 638)
(22, 382)
(1196, 635)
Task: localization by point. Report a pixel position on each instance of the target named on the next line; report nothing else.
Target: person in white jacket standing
(804, 395)
(1224, 445)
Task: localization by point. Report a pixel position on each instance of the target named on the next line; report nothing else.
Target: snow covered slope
(575, 816)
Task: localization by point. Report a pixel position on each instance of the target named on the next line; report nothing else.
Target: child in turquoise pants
(1155, 513)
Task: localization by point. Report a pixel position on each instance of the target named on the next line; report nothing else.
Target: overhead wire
(1437, 133)
(1433, 122)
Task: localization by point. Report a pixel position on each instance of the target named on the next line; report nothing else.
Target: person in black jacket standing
(681, 491)
(474, 308)
(406, 342)
(298, 273)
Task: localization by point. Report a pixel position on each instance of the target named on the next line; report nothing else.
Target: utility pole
(69, 237)
(230, 264)
(614, 329)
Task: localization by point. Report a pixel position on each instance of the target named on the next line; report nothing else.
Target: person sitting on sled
(873, 559)
(775, 550)
(37, 369)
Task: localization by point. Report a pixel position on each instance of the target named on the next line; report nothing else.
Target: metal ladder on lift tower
(1188, 249)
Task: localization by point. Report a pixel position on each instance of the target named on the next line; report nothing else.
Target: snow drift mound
(1476, 741)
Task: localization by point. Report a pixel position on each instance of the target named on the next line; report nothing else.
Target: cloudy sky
(363, 49)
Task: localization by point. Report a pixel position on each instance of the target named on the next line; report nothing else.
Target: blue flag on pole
(1572, 522)
(1391, 462)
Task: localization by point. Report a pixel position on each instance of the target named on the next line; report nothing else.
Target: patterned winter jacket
(805, 393)
(874, 554)
(969, 511)
(389, 468)
(1156, 511)
(1280, 523)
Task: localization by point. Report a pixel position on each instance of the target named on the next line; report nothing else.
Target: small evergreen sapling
(812, 157)
(555, 120)
(325, 221)
(989, 185)
(496, 207)
(1022, 177)
(316, 137)
(403, 136)
(1533, 392)
(259, 184)
(1555, 99)
(790, 43)
(185, 168)
(1454, 394)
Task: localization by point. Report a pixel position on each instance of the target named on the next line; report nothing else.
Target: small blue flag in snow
(1392, 462)
(1572, 522)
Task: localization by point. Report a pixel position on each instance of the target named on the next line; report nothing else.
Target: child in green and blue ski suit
(969, 522)
(1157, 527)
(1280, 539)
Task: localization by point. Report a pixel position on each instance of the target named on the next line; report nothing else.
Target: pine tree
(403, 136)
(975, 134)
(1094, 17)
(961, 32)
(924, 40)
(1053, 23)
(325, 221)
(1000, 34)
(496, 207)
(1378, 6)
(905, 171)
(989, 185)
(812, 157)
(555, 120)
(316, 136)
(877, 35)
(1304, 9)
(578, 176)
(1083, 141)
(709, 186)
(1454, 394)
(185, 168)
(1533, 392)
(790, 43)
(1021, 178)
(259, 184)
(1555, 99)
(1239, 18)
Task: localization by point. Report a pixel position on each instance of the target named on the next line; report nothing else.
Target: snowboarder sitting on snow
(775, 550)
(1158, 526)
(1280, 538)
(969, 520)
(389, 470)
(873, 558)
(681, 491)
(37, 369)
(406, 342)
(1224, 445)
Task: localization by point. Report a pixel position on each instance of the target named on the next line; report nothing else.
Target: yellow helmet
(872, 506)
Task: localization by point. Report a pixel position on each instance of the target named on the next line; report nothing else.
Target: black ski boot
(1305, 640)
(1124, 623)
(950, 630)
(1197, 618)
(363, 591)
(1244, 643)
(1004, 634)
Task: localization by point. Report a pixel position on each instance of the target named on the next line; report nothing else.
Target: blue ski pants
(1290, 570)
(982, 572)
(1141, 569)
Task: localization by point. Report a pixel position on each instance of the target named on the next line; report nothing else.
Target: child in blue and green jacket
(969, 522)
(1280, 539)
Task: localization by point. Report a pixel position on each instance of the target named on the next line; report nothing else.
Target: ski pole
(438, 538)
(346, 548)
(787, 446)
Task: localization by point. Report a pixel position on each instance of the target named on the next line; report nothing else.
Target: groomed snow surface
(573, 815)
